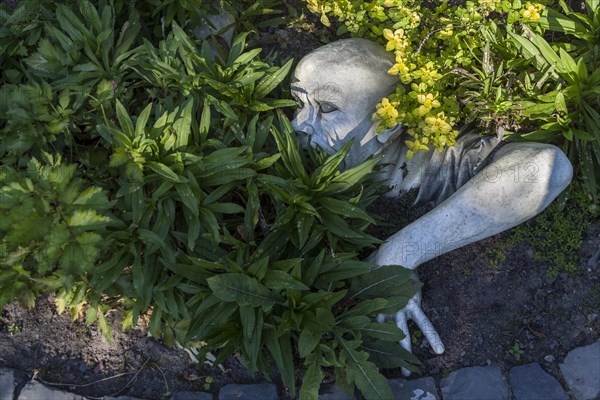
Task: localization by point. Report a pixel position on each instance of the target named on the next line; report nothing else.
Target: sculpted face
(337, 87)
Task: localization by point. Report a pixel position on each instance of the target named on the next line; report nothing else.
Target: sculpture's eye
(327, 108)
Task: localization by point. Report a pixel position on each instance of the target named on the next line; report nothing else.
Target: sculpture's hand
(413, 311)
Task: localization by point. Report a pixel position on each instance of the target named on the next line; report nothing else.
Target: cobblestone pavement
(580, 370)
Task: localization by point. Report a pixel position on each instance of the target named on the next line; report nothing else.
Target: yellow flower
(399, 69)
(386, 110)
(428, 100)
(396, 39)
(532, 12)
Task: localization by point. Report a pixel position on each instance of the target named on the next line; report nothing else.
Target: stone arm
(521, 181)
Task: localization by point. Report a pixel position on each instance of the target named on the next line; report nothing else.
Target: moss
(556, 234)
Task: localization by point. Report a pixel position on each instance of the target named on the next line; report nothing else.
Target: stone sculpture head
(337, 87)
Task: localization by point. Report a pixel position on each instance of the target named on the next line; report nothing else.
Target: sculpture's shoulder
(437, 175)
(448, 170)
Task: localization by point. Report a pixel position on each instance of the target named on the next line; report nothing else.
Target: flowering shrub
(429, 43)
(486, 62)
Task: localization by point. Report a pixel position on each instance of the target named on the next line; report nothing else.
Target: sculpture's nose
(301, 119)
(303, 126)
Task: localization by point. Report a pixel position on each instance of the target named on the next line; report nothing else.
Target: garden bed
(506, 313)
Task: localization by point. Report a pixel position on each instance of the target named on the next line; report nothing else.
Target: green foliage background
(147, 170)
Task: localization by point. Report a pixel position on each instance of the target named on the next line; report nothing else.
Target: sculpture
(481, 186)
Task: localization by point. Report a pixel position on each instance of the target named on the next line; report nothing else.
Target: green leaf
(311, 381)
(142, 120)
(125, 120)
(383, 282)
(104, 326)
(187, 197)
(154, 328)
(204, 122)
(280, 280)
(553, 20)
(270, 82)
(183, 124)
(227, 176)
(345, 209)
(242, 289)
(281, 351)
(391, 355)
(237, 47)
(308, 341)
(364, 374)
(350, 177)
(246, 58)
(383, 331)
(309, 274)
(166, 172)
(248, 320)
(150, 237)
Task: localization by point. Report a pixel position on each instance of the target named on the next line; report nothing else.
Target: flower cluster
(532, 12)
(429, 45)
(387, 113)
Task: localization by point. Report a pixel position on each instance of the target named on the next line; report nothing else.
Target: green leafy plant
(163, 179)
(516, 351)
(566, 98)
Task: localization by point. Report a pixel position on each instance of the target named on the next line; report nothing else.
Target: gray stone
(333, 392)
(259, 391)
(581, 371)
(191, 396)
(417, 389)
(121, 398)
(8, 383)
(475, 383)
(531, 382)
(34, 390)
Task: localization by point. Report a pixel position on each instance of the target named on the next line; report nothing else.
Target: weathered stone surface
(191, 396)
(260, 391)
(416, 389)
(8, 383)
(581, 371)
(34, 390)
(333, 392)
(475, 383)
(531, 382)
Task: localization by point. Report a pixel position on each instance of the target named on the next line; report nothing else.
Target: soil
(496, 304)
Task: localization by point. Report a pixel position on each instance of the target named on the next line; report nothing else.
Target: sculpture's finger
(428, 330)
(402, 323)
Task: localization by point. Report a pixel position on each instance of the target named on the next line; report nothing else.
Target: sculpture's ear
(390, 133)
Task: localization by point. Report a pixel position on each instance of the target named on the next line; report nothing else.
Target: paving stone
(333, 392)
(191, 396)
(259, 391)
(8, 383)
(581, 370)
(475, 383)
(416, 389)
(531, 382)
(34, 390)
